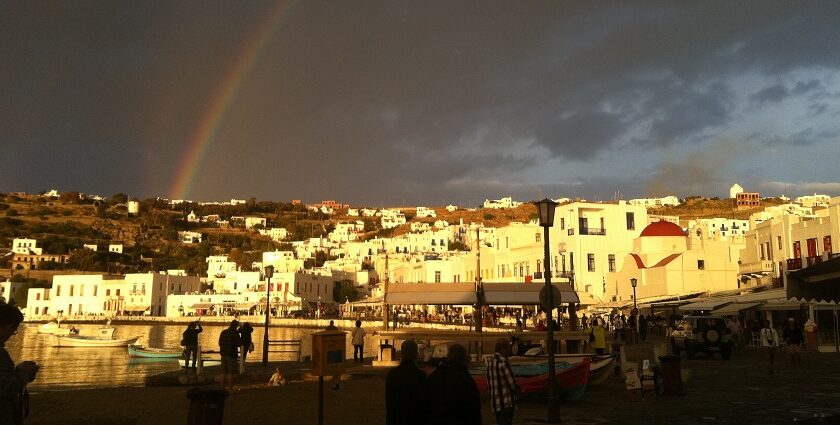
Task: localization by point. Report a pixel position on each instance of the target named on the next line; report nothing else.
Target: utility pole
(479, 290)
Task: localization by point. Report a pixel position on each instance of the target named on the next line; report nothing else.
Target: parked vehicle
(702, 334)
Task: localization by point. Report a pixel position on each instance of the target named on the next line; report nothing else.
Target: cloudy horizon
(402, 103)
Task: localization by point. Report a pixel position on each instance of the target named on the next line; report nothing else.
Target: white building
(219, 266)
(282, 261)
(735, 190)
(507, 202)
(277, 234)
(423, 212)
(189, 237)
(254, 221)
(8, 290)
(392, 218)
(451, 208)
(656, 202)
(716, 228)
(133, 207)
(813, 200)
(26, 246)
(116, 247)
(192, 218)
(90, 246)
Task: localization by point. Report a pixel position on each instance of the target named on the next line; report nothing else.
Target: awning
(370, 302)
(705, 305)
(136, 308)
(524, 293)
(431, 293)
(246, 306)
(201, 306)
(781, 305)
(734, 308)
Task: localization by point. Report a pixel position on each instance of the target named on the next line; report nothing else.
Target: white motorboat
(54, 328)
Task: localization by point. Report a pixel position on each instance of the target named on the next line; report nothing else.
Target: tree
(82, 259)
(244, 260)
(69, 197)
(118, 198)
(457, 246)
(344, 291)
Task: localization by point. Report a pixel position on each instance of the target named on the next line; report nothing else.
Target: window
(611, 261)
(38, 296)
(701, 264)
(72, 287)
(95, 289)
(562, 223)
(761, 255)
(827, 244)
(118, 292)
(631, 221)
(537, 237)
(437, 276)
(539, 266)
(590, 262)
(779, 241)
(81, 290)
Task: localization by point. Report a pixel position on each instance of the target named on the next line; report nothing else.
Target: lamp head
(633, 282)
(269, 271)
(546, 209)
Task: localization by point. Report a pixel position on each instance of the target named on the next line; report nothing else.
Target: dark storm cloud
(380, 102)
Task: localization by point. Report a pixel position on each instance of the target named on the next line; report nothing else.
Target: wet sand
(739, 391)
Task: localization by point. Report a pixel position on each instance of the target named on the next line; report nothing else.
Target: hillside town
(597, 248)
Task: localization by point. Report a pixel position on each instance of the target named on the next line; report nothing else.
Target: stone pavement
(738, 391)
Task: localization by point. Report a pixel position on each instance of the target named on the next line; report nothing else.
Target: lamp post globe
(546, 209)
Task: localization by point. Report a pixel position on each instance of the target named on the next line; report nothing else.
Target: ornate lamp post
(633, 283)
(546, 209)
(269, 271)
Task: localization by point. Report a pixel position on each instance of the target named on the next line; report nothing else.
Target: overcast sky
(422, 102)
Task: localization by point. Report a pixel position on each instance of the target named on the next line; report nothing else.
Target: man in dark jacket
(404, 390)
(13, 379)
(190, 342)
(452, 396)
(229, 351)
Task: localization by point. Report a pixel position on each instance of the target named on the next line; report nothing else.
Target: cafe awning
(431, 294)
(136, 308)
(734, 308)
(201, 306)
(705, 305)
(524, 293)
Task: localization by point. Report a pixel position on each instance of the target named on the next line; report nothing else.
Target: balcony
(593, 231)
(762, 266)
(794, 263)
(811, 261)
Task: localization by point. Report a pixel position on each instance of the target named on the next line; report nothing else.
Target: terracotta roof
(663, 228)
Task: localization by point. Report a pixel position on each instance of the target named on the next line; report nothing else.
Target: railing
(794, 263)
(593, 231)
(813, 260)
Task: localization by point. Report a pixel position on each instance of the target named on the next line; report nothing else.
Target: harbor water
(69, 368)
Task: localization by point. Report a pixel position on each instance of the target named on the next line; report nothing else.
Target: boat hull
(571, 381)
(154, 353)
(85, 341)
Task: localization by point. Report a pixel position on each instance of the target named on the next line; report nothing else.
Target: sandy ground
(740, 391)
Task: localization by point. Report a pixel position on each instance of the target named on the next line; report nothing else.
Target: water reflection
(82, 367)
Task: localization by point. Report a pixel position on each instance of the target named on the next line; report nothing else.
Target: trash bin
(386, 353)
(207, 406)
(671, 375)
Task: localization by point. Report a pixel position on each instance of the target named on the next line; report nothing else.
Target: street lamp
(633, 283)
(269, 271)
(546, 209)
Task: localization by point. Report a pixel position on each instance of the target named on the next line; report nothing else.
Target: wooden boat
(90, 341)
(600, 369)
(55, 328)
(154, 353)
(571, 380)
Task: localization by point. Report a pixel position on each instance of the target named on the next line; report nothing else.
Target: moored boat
(154, 353)
(571, 379)
(91, 341)
(55, 328)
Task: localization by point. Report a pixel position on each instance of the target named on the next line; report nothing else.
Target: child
(277, 379)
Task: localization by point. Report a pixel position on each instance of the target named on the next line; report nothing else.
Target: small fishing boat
(600, 369)
(91, 341)
(55, 328)
(533, 379)
(154, 353)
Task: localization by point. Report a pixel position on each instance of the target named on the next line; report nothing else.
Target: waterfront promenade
(739, 391)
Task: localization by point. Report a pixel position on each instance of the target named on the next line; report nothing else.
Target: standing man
(769, 342)
(501, 383)
(189, 339)
(229, 350)
(598, 336)
(13, 379)
(358, 340)
(452, 396)
(794, 339)
(405, 390)
(246, 344)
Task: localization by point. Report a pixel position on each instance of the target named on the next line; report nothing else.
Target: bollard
(671, 375)
(207, 406)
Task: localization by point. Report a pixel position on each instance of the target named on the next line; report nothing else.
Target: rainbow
(211, 121)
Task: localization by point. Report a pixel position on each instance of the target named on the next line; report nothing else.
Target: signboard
(544, 297)
(328, 352)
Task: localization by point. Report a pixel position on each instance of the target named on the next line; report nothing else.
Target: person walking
(14, 400)
(229, 351)
(598, 335)
(792, 335)
(769, 341)
(405, 390)
(643, 327)
(501, 383)
(246, 344)
(735, 330)
(452, 396)
(358, 340)
(189, 339)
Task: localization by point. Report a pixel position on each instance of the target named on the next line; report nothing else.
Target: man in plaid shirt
(502, 385)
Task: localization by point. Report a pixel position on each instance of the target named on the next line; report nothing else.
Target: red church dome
(663, 228)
